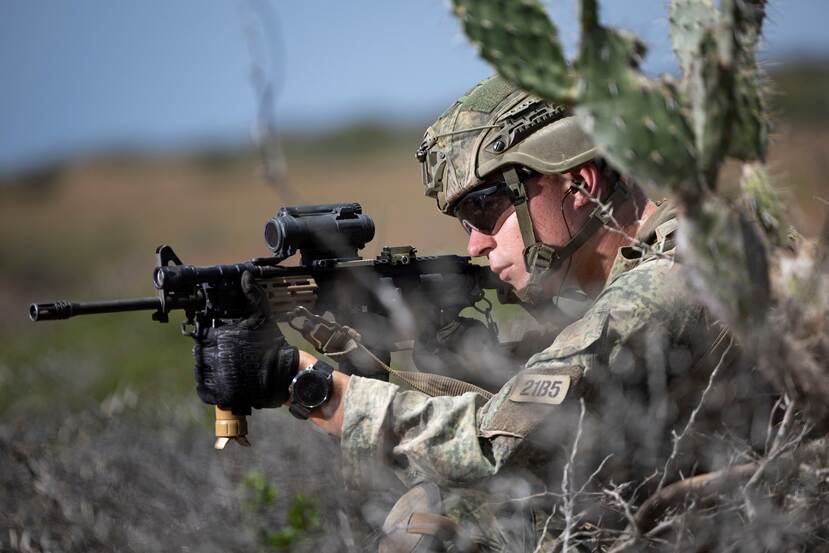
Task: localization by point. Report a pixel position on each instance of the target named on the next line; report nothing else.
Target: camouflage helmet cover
(493, 126)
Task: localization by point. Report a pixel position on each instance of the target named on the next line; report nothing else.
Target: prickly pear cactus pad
(689, 19)
(708, 84)
(727, 263)
(750, 127)
(637, 124)
(518, 38)
(759, 192)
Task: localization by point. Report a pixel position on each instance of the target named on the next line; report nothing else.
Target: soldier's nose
(479, 244)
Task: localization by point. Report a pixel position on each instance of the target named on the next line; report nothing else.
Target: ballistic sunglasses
(485, 209)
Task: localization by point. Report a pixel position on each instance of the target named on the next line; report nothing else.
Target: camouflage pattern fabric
(639, 358)
(462, 122)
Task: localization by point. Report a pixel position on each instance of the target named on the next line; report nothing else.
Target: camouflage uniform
(639, 358)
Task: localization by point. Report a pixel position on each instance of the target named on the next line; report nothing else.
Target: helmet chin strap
(542, 259)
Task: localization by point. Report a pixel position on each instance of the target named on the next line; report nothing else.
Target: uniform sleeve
(421, 437)
(453, 440)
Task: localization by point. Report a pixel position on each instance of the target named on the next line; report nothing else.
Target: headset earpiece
(576, 186)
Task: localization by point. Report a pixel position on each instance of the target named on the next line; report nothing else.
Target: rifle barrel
(64, 309)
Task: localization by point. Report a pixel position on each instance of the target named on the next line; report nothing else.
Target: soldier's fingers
(259, 308)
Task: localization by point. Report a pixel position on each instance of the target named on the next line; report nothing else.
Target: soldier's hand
(246, 362)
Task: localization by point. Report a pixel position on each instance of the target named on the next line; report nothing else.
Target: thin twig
(780, 445)
(678, 438)
(770, 424)
(626, 508)
(665, 524)
(543, 533)
(525, 499)
(593, 474)
(569, 518)
(260, 27)
(644, 482)
(785, 424)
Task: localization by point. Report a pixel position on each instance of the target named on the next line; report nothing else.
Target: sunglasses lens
(484, 210)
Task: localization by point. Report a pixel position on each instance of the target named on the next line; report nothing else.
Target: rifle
(386, 302)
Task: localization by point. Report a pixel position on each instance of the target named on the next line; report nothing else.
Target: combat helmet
(494, 126)
(498, 130)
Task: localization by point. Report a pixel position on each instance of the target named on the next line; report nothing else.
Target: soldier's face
(505, 247)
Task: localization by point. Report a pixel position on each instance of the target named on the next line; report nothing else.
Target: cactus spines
(747, 17)
(749, 135)
(760, 195)
(708, 85)
(729, 269)
(688, 19)
(518, 38)
(749, 127)
(635, 123)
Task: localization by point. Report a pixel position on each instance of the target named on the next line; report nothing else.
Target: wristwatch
(310, 388)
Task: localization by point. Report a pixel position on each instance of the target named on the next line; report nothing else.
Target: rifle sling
(343, 342)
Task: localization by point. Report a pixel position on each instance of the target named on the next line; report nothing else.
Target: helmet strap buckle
(520, 201)
(540, 257)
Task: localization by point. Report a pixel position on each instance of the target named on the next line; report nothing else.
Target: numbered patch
(540, 388)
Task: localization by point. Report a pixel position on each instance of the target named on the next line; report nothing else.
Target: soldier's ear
(585, 184)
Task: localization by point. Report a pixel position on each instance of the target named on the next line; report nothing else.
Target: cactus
(689, 20)
(636, 123)
(750, 127)
(707, 86)
(760, 194)
(520, 40)
(722, 246)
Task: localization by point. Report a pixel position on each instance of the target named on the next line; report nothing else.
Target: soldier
(527, 186)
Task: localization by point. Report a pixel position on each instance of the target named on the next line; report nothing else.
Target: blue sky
(85, 75)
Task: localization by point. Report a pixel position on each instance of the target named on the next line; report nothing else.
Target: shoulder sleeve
(542, 391)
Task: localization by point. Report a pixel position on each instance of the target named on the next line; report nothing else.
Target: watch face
(311, 389)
